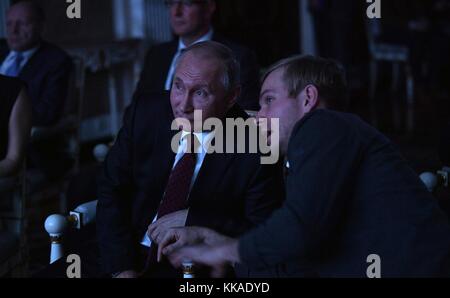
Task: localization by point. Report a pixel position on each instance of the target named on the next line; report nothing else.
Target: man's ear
(311, 95)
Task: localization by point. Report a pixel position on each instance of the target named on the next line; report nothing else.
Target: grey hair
(211, 49)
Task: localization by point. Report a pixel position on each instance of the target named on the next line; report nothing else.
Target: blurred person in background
(191, 23)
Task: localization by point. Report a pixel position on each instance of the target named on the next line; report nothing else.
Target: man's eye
(268, 100)
(177, 86)
(201, 93)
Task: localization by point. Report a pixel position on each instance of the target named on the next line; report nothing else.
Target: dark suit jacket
(232, 192)
(444, 147)
(47, 76)
(350, 194)
(159, 59)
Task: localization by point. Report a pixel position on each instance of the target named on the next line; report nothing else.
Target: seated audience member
(191, 23)
(45, 69)
(15, 125)
(351, 199)
(152, 180)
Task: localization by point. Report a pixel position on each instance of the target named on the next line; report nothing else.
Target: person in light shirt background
(190, 21)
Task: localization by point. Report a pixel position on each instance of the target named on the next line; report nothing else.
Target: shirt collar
(26, 54)
(203, 137)
(206, 37)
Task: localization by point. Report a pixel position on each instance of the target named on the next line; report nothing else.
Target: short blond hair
(327, 75)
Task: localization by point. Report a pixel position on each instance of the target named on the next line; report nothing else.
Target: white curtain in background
(129, 19)
(4, 4)
(307, 34)
(157, 22)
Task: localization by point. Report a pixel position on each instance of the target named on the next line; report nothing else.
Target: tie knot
(192, 143)
(16, 65)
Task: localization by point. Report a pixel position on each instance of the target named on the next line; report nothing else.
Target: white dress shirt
(204, 139)
(10, 59)
(182, 46)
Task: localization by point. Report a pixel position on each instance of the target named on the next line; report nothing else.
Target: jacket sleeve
(323, 155)
(115, 187)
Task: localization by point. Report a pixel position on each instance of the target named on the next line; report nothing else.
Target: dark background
(272, 29)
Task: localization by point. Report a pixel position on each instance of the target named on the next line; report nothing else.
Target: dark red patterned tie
(177, 189)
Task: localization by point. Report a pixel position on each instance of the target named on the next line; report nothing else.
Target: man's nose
(261, 114)
(177, 9)
(186, 103)
(262, 118)
(13, 28)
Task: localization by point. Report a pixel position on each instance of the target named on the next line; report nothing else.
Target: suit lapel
(31, 64)
(161, 167)
(215, 164)
(172, 50)
(165, 159)
(166, 60)
(210, 175)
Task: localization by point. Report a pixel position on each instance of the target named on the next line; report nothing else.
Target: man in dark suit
(191, 23)
(44, 67)
(151, 183)
(353, 207)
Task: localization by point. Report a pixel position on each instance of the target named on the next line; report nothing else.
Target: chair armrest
(56, 226)
(434, 180)
(430, 180)
(84, 214)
